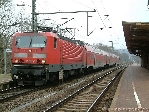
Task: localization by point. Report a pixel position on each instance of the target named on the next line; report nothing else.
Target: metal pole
(34, 16)
(21, 22)
(5, 61)
(21, 15)
(112, 44)
(87, 23)
(88, 34)
(74, 32)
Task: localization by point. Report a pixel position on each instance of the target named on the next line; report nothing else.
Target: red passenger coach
(90, 57)
(72, 54)
(95, 58)
(106, 59)
(99, 60)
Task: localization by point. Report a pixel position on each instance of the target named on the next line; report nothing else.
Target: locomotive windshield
(30, 41)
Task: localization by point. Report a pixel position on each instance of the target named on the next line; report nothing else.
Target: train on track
(39, 57)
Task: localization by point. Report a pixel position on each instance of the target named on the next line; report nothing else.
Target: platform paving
(133, 91)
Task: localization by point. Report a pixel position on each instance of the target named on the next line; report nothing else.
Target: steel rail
(61, 102)
(103, 91)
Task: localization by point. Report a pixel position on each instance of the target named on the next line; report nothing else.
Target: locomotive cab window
(55, 42)
(30, 41)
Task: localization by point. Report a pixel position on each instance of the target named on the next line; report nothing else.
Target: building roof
(136, 37)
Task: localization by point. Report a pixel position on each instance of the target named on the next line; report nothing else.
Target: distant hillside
(130, 57)
(124, 51)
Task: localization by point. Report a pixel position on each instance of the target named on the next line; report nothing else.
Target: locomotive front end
(29, 58)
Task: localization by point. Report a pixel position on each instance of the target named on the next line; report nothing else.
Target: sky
(118, 11)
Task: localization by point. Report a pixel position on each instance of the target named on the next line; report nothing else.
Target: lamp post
(21, 14)
(112, 44)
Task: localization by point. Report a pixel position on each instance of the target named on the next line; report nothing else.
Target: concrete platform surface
(133, 91)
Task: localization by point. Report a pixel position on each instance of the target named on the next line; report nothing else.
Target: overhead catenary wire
(82, 4)
(50, 7)
(111, 23)
(58, 9)
(93, 28)
(124, 46)
(74, 19)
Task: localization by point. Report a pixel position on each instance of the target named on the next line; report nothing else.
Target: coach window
(55, 42)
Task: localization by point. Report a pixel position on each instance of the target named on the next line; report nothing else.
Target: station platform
(132, 93)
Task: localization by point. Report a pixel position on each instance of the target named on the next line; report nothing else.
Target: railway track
(84, 100)
(104, 100)
(40, 99)
(12, 93)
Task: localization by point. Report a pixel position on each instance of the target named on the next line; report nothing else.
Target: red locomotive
(47, 56)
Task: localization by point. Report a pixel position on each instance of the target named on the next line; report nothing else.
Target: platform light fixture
(112, 44)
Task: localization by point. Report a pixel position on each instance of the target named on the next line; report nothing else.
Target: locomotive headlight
(43, 61)
(16, 61)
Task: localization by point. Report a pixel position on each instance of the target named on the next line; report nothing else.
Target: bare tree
(6, 30)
